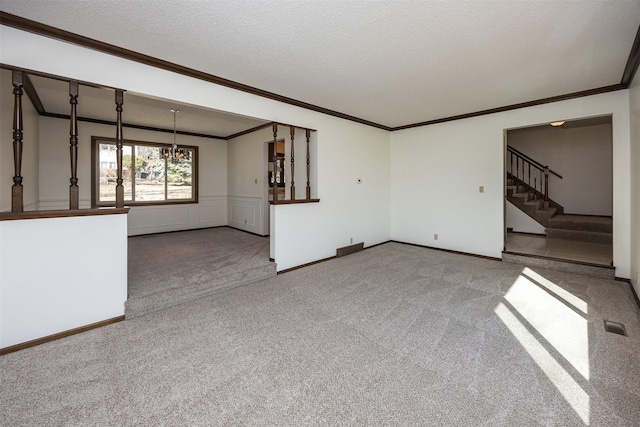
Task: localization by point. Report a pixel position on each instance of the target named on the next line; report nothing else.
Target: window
(148, 178)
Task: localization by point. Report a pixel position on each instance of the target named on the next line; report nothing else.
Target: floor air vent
(615, 328)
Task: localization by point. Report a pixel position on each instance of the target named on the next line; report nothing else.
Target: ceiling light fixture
(175, 153)
(557, 124)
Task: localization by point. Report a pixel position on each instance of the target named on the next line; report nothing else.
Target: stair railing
(519, 167)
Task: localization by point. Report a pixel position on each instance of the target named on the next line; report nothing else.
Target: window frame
(95, 170)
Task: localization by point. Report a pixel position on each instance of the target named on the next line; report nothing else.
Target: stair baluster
(546, 183)
(531, 196)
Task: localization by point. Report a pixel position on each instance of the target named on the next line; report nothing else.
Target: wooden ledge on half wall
(11, 216)
(293, 202)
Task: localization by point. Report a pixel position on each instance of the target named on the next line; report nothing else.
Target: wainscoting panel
(245, 213)
(209, 212)
(61, 204)
(212, 211)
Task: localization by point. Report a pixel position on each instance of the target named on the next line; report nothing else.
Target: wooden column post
(17, 200)
(293, 182)
(73, 145)
(119, 186)
(308, 134)
(274, 185)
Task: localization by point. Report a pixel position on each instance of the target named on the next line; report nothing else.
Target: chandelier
(175, 153)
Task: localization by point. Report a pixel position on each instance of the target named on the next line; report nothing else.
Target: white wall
(247, 180)
(520, 221)
(55, 171)
(634, 104)
(347, 210)
(345, 150)
(436, 171)
(29, 150)
(247, 186)
(58, 274)
(583, 156)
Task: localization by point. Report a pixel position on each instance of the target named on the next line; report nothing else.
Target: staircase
(581, 228)
(530, 202)
(528, 190)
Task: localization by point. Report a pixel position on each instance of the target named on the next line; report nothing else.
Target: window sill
(150, 203)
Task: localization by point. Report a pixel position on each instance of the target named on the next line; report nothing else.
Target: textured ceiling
(99, 104)
(389, 62)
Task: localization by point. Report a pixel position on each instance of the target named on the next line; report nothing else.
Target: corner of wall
(634, 123)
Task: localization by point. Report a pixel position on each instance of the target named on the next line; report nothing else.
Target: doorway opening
(559, 191)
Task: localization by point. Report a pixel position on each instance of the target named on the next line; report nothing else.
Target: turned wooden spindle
(119, 186)
(308, 132)
(73, 145)
(17, 200)
(274, 185)
(293, 183)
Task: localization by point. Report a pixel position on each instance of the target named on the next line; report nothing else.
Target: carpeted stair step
(181, 293)
(532, 202)
(579, 235)
(548, 213)
(531, 208)
(582, 223)
(521, 195)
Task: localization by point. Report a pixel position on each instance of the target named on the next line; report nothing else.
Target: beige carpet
(394, 335)
(173, 268)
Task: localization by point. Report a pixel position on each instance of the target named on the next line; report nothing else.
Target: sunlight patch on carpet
(550, 324)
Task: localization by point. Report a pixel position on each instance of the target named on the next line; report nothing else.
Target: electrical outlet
(435, 237)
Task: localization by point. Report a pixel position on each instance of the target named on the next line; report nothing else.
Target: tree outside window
(148, 177)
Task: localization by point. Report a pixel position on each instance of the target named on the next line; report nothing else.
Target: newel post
(17, 200)
(73, 145)
(293, 183)
(274, 186)
(308, 135)
(119, 186)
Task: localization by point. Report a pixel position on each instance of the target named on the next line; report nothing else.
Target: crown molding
(557, 98)
(632, 63)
